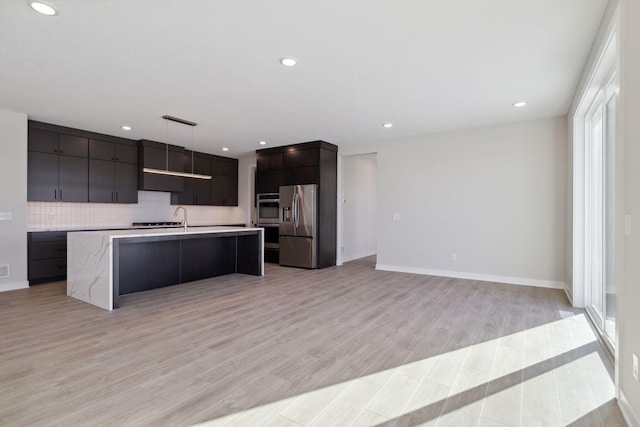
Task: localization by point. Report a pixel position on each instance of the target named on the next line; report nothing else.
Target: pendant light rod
(179, 120)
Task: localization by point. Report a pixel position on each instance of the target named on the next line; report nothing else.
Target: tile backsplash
(152, 206)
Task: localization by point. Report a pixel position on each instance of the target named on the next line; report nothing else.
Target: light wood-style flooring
(344, 346)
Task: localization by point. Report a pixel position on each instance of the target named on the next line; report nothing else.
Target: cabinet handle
(61, 194)
(55, 194)
(116, 196)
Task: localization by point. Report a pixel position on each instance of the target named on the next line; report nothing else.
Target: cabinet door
(101, 181)
(148, 265)
(270, 181)
(126, 185)
(301, 176)
(42, 176)
(73, 177)
(43, 141)
(186, 196)
(224, 190)
(126, 153)
(266, 162)
(101, 150)
(301, 158)
(201, 165)
(70, 145)
(224, 167)
(204, 258)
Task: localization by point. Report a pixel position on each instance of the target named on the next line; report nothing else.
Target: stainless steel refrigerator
(299, 225)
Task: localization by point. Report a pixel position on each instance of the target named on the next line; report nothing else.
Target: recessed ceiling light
(387, 125)
(263, 143)
(519, 104)
(43, 8)
(225, 149)
(288, 62)
(125, 127)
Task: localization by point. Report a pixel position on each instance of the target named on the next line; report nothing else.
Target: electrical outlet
(5, 216)
(454, 256)
(635, 366)
(396, 217)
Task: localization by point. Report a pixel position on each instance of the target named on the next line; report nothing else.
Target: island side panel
(249, 254)
(89, 264)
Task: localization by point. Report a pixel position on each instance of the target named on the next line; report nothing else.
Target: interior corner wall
(493, 196)
(13, 188)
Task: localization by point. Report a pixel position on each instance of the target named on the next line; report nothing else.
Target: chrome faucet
(184, 222)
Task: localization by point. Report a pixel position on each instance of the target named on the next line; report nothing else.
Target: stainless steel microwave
(268, 207)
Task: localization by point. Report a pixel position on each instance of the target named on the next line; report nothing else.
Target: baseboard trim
(13, 286)
(627, 411)
(567, 291)
(358, 256)
(474, 276)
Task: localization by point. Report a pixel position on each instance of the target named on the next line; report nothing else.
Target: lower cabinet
(148, 265)
(47, 256)
(203, 258)
(163, 261)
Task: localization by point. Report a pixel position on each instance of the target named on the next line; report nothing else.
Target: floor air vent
(4, 271)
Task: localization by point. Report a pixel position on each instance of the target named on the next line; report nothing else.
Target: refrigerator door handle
(296, 210)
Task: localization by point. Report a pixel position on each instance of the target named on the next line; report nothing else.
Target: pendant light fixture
(166, 171)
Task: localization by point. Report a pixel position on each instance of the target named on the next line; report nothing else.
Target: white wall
(359, 202)
(13, 191)
(495, 196)
(629, 131)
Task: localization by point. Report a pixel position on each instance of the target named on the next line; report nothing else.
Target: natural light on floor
(553, 374)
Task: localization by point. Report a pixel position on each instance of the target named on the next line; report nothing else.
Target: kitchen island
(105, 264)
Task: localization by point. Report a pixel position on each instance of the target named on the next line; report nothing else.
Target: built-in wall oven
(268, 217)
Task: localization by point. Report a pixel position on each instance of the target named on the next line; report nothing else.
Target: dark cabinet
(148, 265)
(224, 181)
(207, 257)
(196, 191)
(44, 141)
(269, 173)
(57, 167)
(301, 166)
(73, 165)
(47, 256)
(224, 190)
(105, 150)
(112, 182)
(313, 162)
(164, 157)
(113, 172)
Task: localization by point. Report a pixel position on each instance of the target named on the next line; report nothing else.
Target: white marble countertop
(90, 276)
(146, 232)
(110, 227)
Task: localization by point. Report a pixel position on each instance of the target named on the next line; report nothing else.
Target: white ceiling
(424, 65)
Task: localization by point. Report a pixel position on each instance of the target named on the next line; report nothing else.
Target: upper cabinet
(73, 165)
(164, 157)
(305, 163)
(57, 167)
(113, 172)
(220, 190)
(196, 191)
(269, 172)
(224, 181)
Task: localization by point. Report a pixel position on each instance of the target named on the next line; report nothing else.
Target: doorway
(358, 200)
